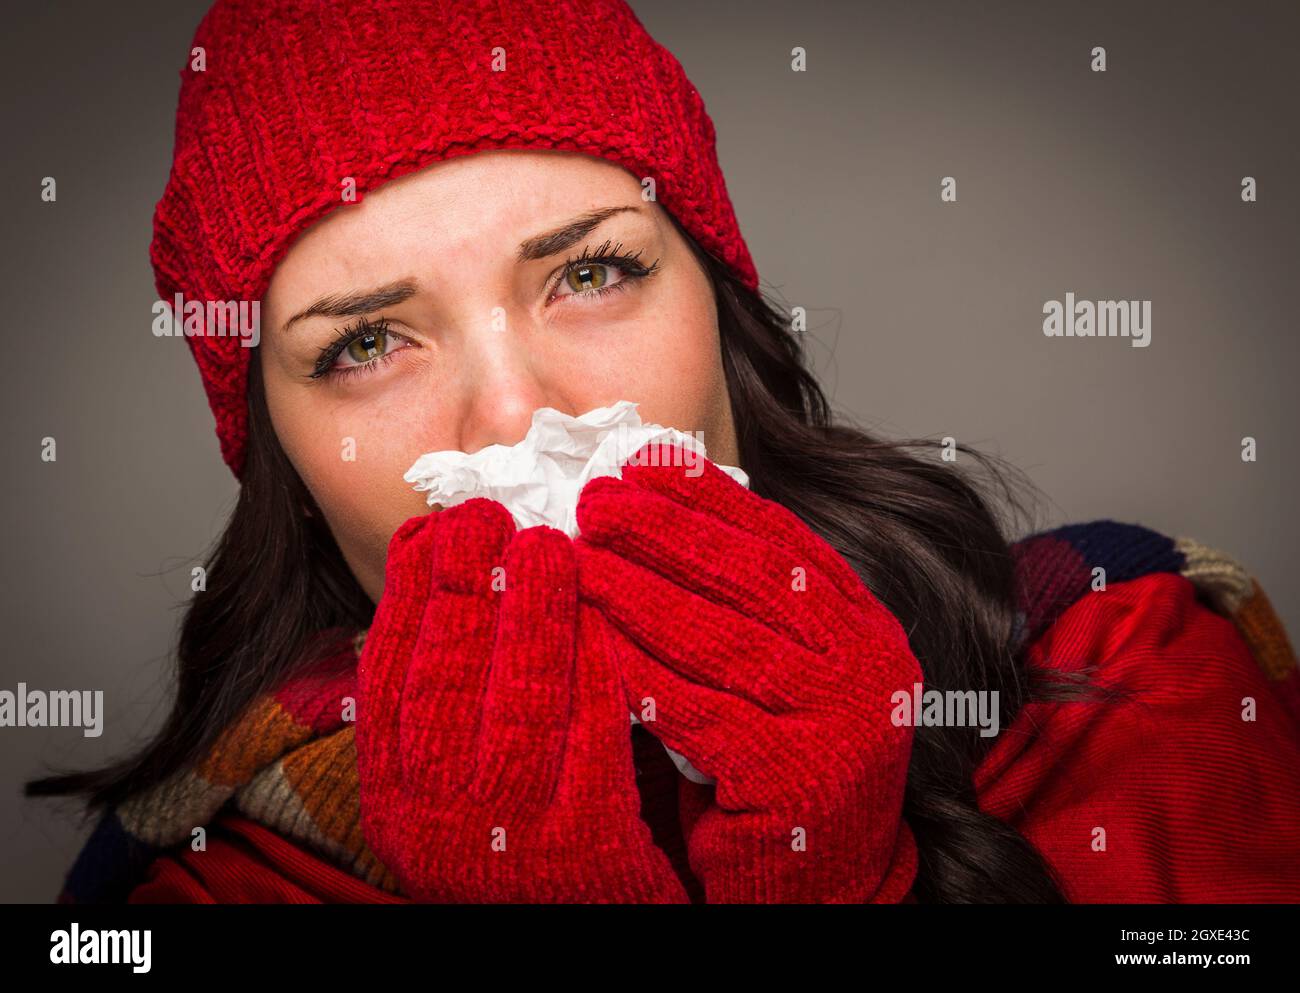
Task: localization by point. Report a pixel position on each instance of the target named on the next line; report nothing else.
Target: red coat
(1196, 803)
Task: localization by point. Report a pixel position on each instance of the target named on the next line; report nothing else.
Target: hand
(493, 744)
(771, 667)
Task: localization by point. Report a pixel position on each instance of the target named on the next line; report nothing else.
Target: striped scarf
(290, 762)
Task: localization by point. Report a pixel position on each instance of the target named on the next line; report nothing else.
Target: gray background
(925, 317)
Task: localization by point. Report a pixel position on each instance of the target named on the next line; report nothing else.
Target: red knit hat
(298, 95)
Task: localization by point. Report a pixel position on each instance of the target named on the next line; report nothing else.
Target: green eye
(367, 346)
(363, 347)
(587, 277)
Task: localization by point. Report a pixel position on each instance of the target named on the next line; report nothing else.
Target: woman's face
(466, 263)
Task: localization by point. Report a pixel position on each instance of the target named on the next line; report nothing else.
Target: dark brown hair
(926, 536)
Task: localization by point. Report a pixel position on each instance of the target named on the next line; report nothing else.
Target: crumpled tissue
(539, 479)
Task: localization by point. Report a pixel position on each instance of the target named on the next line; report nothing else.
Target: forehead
(483, 190)
(484, 201)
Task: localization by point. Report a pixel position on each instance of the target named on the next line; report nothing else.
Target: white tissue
(539, 479)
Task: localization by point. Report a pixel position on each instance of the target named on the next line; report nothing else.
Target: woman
(453, 214)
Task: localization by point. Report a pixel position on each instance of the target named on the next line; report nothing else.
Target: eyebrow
(537, 247)
(568, 234)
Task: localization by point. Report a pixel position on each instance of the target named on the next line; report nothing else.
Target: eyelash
(625, 262)
(330, 353)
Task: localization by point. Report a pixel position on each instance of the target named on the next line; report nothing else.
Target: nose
(506, 379)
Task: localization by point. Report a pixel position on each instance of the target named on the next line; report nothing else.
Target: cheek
(352, 456)
(670, 364)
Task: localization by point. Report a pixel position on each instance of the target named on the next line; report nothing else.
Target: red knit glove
(771, 667)
(494, 758)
